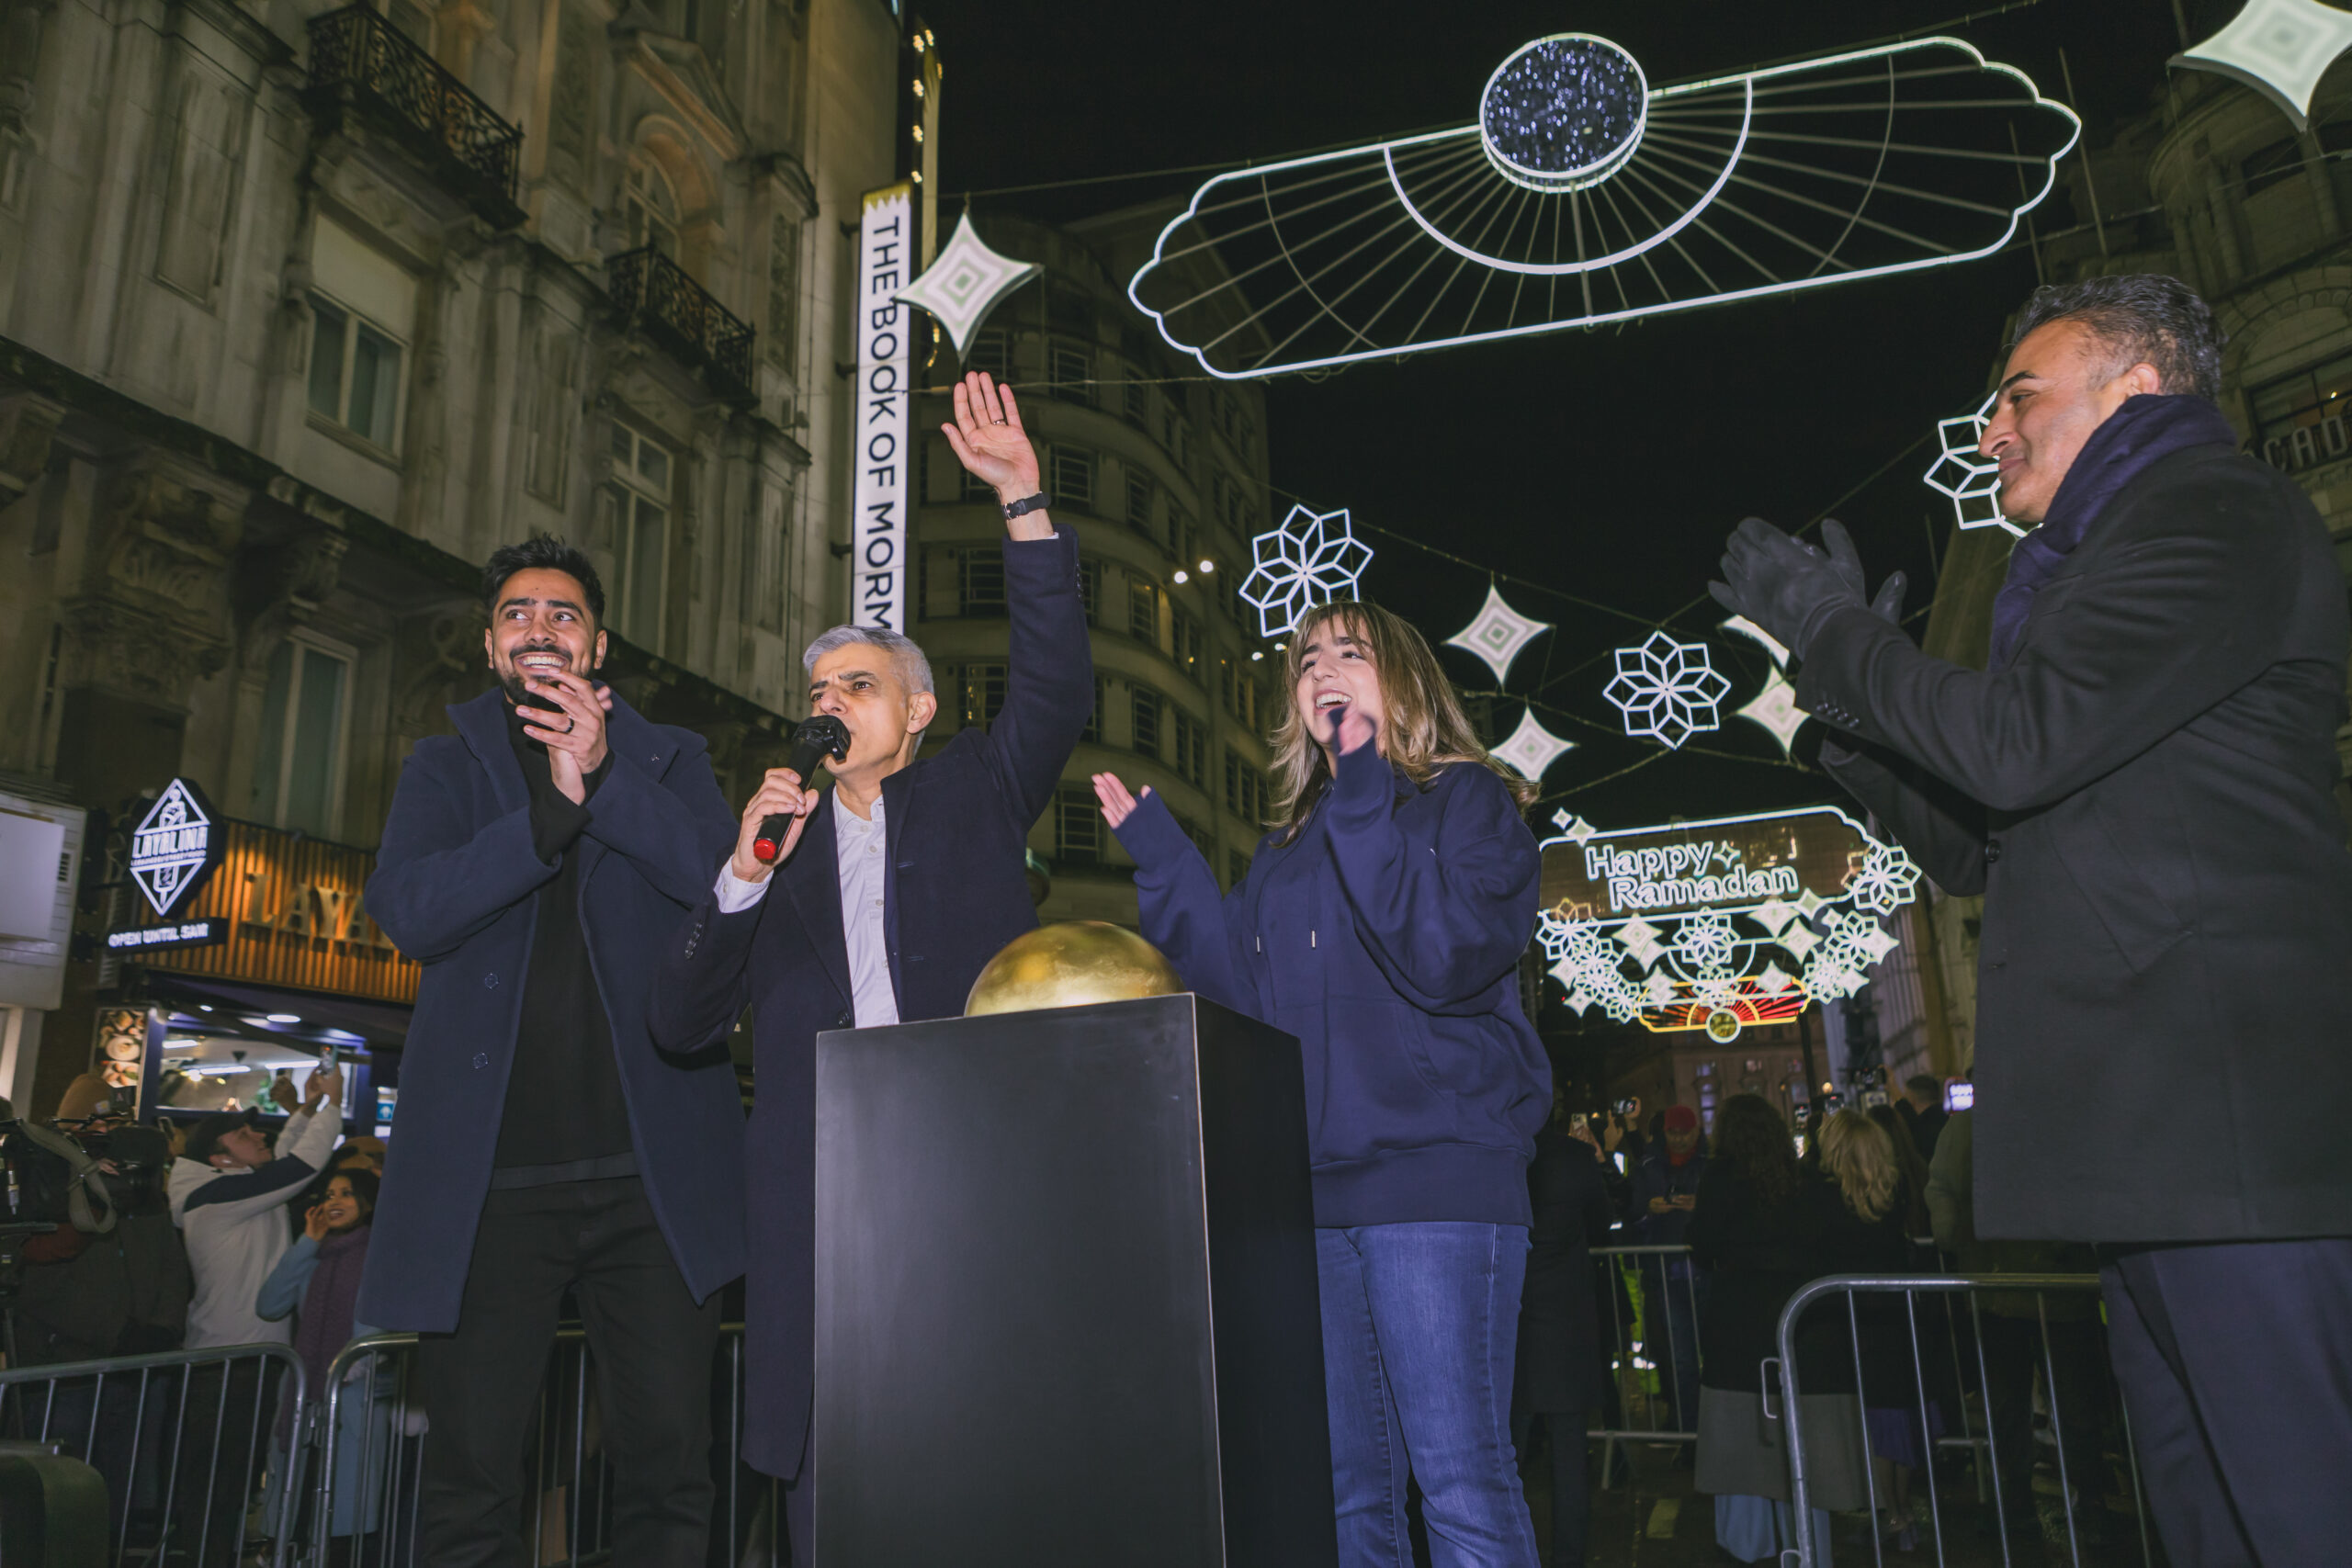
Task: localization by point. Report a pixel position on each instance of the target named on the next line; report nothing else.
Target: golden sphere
(1073, 964)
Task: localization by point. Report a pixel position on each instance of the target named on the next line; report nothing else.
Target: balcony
(361, 67)
(656, 297)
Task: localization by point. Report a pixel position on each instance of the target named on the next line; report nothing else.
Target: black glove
(1789, 587)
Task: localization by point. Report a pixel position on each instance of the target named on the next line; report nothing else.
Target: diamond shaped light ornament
(2281, 49)
(963, 282)
(1531, 748)
(1496, 633)
(1774, 707)
(1311, 559)
(1667, 690)
(1973, 485)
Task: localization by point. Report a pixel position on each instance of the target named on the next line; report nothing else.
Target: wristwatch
(1027, 504)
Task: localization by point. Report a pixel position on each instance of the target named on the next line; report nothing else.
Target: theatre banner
(1721, 923)
(880, 558)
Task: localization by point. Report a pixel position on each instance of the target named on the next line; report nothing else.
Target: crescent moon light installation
(1583, 195)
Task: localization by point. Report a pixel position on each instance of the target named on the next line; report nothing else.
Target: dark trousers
(1563, 1439)
(224, 1443)
(2013, 1356)
(653, 1347)
(2236, 1361)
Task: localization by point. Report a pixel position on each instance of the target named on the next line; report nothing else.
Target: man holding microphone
(878, 906)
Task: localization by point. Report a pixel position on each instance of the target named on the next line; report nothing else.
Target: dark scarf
(2145, 429)
(330, 1305)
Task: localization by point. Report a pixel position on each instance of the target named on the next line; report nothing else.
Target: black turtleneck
(565, 1117)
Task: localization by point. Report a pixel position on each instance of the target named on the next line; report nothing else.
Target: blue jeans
(1420, 1322)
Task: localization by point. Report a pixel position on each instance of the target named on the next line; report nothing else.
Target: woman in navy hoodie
(1382, 924)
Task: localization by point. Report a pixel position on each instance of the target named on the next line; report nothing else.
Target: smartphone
(1579, 1123)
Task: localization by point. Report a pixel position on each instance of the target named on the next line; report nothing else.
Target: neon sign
(173, 848)
(1720, 924)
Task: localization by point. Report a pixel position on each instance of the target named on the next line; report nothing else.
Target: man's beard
(511, 679)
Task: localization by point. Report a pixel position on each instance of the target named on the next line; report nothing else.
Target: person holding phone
(1382, 924)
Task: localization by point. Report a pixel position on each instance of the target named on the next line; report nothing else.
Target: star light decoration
(963, 282)
(1531, 749)
(1496, 633)
(1667, 690)
(1973, 484)
(2281, 49)
(1313, 558)
(1775, 707)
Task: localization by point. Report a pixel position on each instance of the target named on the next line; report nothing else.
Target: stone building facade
(1164, 476)
(304, 311)
(2213, 185)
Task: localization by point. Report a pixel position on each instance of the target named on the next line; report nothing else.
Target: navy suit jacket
(956, 826)
(456, 887)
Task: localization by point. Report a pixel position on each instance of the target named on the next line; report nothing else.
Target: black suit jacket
(1559, 1327)
(2144, 799)
(957, 827)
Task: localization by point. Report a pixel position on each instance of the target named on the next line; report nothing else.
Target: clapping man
(545, 1144)
(896, 887)
(2140, 786)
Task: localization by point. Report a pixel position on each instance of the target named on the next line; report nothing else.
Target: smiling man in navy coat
(544, 1145)
(896, 889)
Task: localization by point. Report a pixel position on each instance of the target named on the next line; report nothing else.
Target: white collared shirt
(860, 846)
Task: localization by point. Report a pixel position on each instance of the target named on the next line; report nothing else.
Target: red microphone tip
(763, 848)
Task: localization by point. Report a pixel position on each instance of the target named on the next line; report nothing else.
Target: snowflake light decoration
(1531, 748)
(1839, 965)
(963, 282)
(1667, 690)
(1590, 967)
(1496, 633)
(1884, 881)
(2281, 49)
(1311, 559)
(1973, 484)
(1706, 945)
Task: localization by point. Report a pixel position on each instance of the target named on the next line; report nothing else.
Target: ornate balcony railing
(359, 63)
(671, 307)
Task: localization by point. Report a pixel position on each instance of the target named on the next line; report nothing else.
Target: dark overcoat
(955, 828)
(456, 888)
(1559, 1321)
(2143, 798)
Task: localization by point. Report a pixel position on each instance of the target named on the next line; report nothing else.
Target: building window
(980, 694)
(980, 582)
(1073, 476)
(1186, 639)
(1245, 787)
(784, 290)
(355, 373)
(974, 488)
(991, 351)
(1135, 399)
(1078, 826)
(1236, 869)
(1239, 692)
(1203, 839)
(1143, 612)
(2301, 421)
(1189, 745)
(1093, 731)
(639, 492)
(1140, 503)
(298, 763)
(649, 208)
(1090, 588)
(1146, 734)
(1070, 370)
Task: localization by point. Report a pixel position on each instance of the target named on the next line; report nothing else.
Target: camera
(40, 1165)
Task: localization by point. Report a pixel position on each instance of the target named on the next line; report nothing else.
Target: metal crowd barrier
(183, 1437)
(365, 1434)
(1651, 1351)
(2015, 1522)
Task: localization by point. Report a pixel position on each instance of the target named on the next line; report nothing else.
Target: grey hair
(914, 670)
(2147, 319)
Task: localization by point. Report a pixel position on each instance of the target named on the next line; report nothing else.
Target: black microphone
(819, 736)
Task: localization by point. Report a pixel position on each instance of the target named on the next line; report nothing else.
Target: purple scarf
(2145, 429)
(330, 1305)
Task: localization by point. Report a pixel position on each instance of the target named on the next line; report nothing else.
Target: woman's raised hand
(1117, 803)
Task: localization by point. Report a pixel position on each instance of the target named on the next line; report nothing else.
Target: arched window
(650, 208)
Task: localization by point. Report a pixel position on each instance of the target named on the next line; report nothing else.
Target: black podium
(1066, 1299)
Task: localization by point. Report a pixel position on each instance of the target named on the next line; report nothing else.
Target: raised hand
(1117, 803)
(1351, 729)
(314, 1222)
(575, 737)
(989, 439)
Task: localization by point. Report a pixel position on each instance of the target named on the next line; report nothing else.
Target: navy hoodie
(1385, 937)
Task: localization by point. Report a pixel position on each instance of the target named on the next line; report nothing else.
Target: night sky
(1608, 465)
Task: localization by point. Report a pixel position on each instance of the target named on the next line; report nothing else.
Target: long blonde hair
(1425, 729)
(1857, 1154)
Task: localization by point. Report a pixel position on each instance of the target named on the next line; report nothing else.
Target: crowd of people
(2139, 786)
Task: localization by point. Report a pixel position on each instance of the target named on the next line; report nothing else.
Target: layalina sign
(176, 846)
